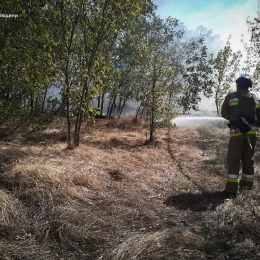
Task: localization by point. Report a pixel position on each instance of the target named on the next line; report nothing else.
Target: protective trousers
(240, 151)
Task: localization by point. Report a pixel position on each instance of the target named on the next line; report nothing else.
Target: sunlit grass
(107, 198)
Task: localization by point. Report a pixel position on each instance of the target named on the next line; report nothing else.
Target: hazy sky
(224, 17)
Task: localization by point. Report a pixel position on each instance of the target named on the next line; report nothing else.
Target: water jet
(187, 121)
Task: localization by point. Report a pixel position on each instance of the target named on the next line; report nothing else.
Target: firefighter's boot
(246, 182)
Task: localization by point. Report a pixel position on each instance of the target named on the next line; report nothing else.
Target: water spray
(195, 121)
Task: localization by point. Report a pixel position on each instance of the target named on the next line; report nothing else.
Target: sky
(223, 17)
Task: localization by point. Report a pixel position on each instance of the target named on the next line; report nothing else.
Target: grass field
(116, 197)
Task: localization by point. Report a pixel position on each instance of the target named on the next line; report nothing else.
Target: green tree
(197, 78)
(66, 21)
(84, 32)
(100, 21)
(26, 67)
(155, 68)
(193, 67)
(225, 68)
(252, 62)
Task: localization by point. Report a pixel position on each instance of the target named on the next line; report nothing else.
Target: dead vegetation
(117, 197)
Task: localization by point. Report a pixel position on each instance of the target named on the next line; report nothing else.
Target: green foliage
(252, 64)
(197, 76)
(155, 62)
(225, 68)
(92, 50)
(100, 25)
(26, 65)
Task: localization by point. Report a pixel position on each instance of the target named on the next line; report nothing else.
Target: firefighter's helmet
(244, 82)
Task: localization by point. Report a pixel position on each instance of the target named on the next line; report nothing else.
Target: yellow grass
(117, 197)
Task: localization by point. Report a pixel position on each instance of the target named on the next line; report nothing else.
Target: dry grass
(117, 197)
(238, 226)
(165, 244)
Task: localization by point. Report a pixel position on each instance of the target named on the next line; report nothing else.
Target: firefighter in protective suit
(242, 109)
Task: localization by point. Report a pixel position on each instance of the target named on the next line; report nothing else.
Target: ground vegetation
(118, 196)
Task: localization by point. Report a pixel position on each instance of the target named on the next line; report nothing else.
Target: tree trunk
(44, 98)
(123, 105)
(111, 106)
(99, 101)
(217, 107)
(152, 115)
(68, 111)
(80, 115)
(31, 103)
(102, 104)
(137, 111)
(119, 109)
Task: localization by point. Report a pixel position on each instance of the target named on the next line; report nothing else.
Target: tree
(26, 67)
(84, 32)
(225, 69)
(197, 78)
(252, 62)
(101, 20)
(66, 21)
(155, 68)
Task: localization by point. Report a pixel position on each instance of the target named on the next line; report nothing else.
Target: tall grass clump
(17, 238)
(13, 216)
(166, 244)
(236, 232)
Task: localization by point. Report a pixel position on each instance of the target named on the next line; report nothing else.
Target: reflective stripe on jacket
(236, 132)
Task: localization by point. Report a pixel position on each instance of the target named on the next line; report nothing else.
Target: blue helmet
(244, 82)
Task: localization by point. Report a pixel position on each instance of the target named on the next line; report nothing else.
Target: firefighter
(241, 108)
